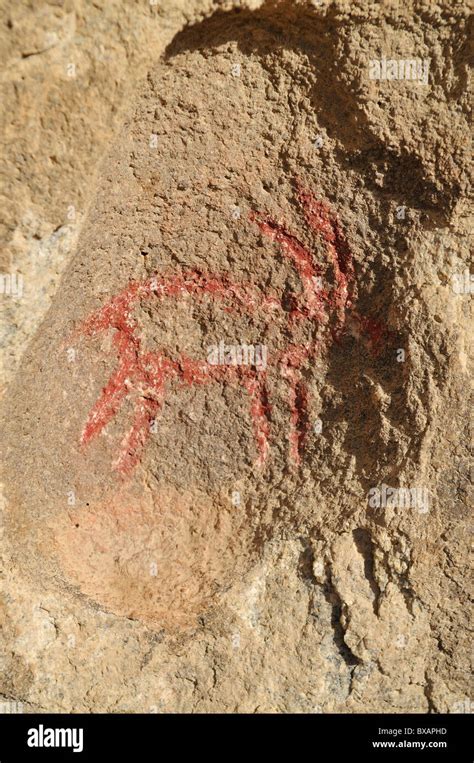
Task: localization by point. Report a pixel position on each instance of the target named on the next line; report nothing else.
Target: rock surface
(188, 536)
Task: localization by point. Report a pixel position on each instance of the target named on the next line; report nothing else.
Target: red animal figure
(144, 375)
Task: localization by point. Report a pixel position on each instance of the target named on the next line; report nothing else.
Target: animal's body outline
(149, 372)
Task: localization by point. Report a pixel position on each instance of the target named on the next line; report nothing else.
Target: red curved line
(117, 312)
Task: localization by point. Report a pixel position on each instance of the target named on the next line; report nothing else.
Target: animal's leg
(291, 362)
(259, 410)
(113, 393)
(155, 369)
(134, 441)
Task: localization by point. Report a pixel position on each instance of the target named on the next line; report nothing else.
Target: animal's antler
(315, 300)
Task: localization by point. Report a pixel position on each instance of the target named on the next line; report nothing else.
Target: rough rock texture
(69, 68)
(185, 536)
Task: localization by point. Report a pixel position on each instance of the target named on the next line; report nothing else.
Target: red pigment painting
(144, 375)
